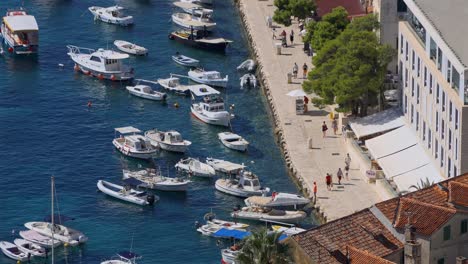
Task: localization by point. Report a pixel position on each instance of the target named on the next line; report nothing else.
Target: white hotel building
(432, 64)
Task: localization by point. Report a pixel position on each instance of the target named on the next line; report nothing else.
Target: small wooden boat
(248, 65)
(168, 140)
(225, 166)
(194, 9)
(233, 141)
(289, 231)
(173, 84)
(185, 61)
(36, 238)
(112, 15)
(131, 143)
(152, 180)
(12, 251)
(195, 167)
(145, 91)
(279, 201)
(247, 185)
(30, 248)
(60, 232)
(212, 78)
(200, 39)
(130, 48)
(189, 21)
(248, 80)
(126, 193)
(258, 213)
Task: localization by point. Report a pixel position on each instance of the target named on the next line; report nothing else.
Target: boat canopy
(132, 182)
(58, 219)
(21, 23)
(114, 8)
(110, 54)
(228, 233)
(127, 130)
(128, 255)
(202, 90)
(187, 5)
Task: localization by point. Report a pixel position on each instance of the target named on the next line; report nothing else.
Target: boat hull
(180, 23)
(128, 152)
(212, 121)
(241, 148)
(185, 61)
(217, 47)
(44, 242)
(293, 219)
(20, 256)
(125, 21)
(173, 148)
(147, 96)
(117, 76)
(74, 239)
(222, 186)
(131, 199)
(194, 172)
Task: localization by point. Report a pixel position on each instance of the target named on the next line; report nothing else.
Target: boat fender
(113, 77)
(150, 198)
(170, 36)
(176, 105)
(76, 68)
(81, 239)
(10, 49)
(100, 76)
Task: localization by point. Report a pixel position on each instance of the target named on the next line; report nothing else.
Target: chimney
(412, 247)
(462, 260)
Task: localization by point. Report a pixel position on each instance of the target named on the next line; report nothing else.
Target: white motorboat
(194, 9)
(130, 48)
(195, 167)
(195, 22)
(289, 231)
(173, 84)
(245, 186)
(145, 91)
(126, 193)
(258, 213)
(185, 61)
(279, 201)
(211, 109)
(123, 257)
(103, 64)
(30, 248)
(248, 65)
(212, 78)
(169, 140)
(213, 225)
(20, 32)
(204, 2)
(113, 15)
(60, 232)
(131, 143)
(12, 251)
(229, 255)
(233, 141)
(248, 80)
(36, 238)
(225, 166)
(152, 180)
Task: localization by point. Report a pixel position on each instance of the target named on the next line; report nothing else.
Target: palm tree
(263, 247)
(422, 184)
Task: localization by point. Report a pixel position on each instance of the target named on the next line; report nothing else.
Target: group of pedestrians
(334, 125)
(295, 70)
(339, 174)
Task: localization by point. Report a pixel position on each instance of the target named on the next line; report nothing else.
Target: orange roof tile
(458, 193)
(357, 256)
(327, 243)
(425, 218)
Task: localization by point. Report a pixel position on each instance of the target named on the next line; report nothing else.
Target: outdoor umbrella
(296, 93)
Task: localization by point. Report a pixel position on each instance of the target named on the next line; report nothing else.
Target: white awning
(21, 23)
(404, 161)
(377, 123)
(202, 90)
(427, 172)
(391, 142)
(127, 130)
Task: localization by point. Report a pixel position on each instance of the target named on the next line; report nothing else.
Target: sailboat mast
(52, 187)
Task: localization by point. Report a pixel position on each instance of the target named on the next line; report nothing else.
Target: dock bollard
(289, 78)
(309, 141)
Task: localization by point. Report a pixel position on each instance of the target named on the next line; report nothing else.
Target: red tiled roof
(425, 218)
(327, 244)
(437, 195)
(357, 256)
(353, 7)
(458, 193)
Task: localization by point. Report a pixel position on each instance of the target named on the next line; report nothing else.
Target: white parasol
(296, 93)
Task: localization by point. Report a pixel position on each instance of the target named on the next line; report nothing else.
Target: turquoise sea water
(47, 129)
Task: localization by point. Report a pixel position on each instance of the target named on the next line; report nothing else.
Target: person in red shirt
(328, 180)
(315, 192)
(306, 102)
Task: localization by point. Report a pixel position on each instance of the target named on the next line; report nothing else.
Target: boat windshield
(212, 99)
(216, 108)
(25, 38)
(175, 138)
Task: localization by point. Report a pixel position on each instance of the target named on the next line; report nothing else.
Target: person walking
(324, 129)
(335, 126)
(291, 37)
(304, 70)
(328, 180)
(339, 174)
(315, 192)
(347, 164)
(295, 70)
(306, 103)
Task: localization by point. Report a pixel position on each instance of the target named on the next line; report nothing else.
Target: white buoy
(61, 65)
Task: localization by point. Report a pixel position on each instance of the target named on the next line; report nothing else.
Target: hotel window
(441, 156)
(417, 93)
(436, 149)
(406, 77)
(433, 50)
(406, 104)
(430, 83)
(449, 166)
(412, 113)
(419, 67)
(443, 101)
(450, 139)
(447, 233)
(412, 86)
(437, 121)
(450, 111)
(439, 59)
(455, 79)
(441, 261)
(412, 60)
(417, 120)
(456, 148)
(456, 118)
(437, 93)
(442, 129)
(401, 43)
(406, 51)
(425, 76)
(424, 131)
(454, 170)
(449, 71)
(429, 138)
(464, 226)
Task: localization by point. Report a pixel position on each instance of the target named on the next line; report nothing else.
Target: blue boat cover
(128, 255)
(227, 233)
(132, 182)
(58, 219)
(282, 237)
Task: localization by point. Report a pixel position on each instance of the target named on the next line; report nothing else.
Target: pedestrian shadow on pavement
(316, 113)
(322, 197)
(286, 54)
(338, 190)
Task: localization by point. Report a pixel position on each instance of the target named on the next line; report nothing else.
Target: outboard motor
(150, 198)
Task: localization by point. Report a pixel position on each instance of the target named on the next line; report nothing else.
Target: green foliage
(337, 17)
(331, 25)
(262, 248)
(422, 184)
(296, 8)
(324, 32)
(350, 68)
(368, 23)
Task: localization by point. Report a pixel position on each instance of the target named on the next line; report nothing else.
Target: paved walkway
(328, 153)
